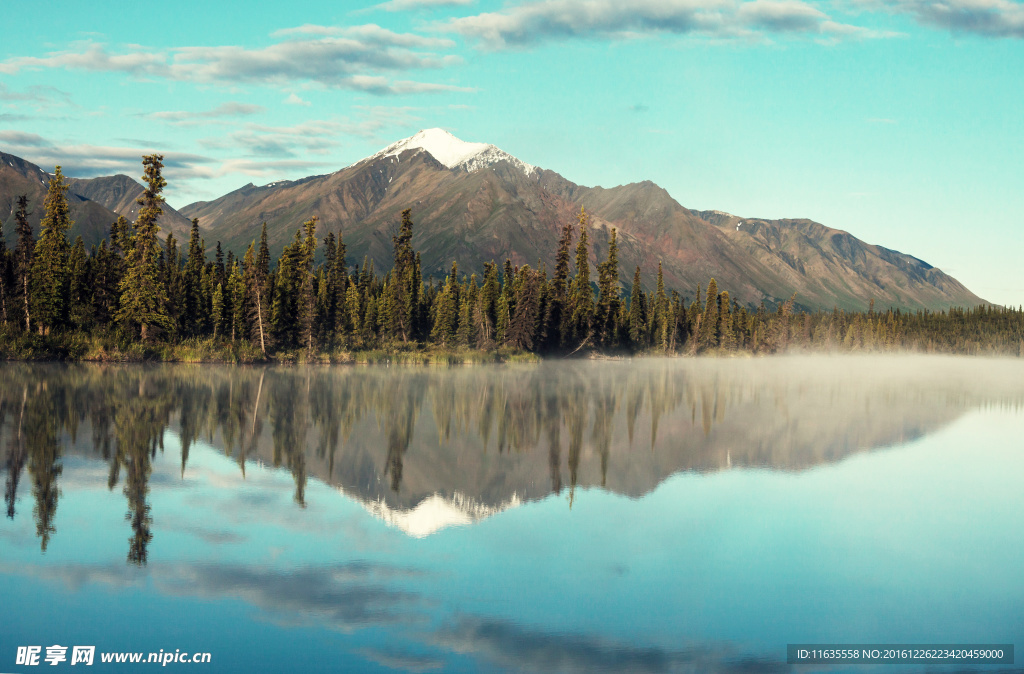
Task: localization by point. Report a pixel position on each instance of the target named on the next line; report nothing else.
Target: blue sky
(901, 121)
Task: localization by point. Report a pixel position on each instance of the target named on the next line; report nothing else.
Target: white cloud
(989, 18)
(357, 57)
(293, 99)
(225, 110)
(542, 20)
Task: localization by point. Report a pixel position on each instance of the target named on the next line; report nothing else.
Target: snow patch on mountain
(434, 513)
(453, 152)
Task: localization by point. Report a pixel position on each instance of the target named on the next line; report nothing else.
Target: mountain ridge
(477, 203)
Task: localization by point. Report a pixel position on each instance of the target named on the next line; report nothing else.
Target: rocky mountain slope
(473, 203)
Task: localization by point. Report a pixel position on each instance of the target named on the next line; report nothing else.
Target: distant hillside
(95, 202)
(119, 193)
(19, 177)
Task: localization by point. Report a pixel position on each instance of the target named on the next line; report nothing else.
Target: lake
(572, 516)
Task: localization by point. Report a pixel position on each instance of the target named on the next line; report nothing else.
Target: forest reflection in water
(477, 438)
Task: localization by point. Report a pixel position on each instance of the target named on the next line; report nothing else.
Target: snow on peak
(453, 152)
(434, 513)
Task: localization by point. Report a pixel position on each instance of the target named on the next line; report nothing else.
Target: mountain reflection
(466, 442)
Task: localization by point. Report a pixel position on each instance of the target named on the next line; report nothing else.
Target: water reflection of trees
(303, 419)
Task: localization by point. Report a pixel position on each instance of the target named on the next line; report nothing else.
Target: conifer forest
(141, 296)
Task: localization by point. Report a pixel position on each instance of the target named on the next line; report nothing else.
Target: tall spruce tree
(523, 326)
(5, 283)
(608, 295)
(637, 314)
(581, 296)
(143, 297)
(403, 296)
(307, 285)
(556, 319)
(708, 333)
(49, 284)
(193, 314)
(254, 289)
(80, 305)
(660, 313)
(24, 252)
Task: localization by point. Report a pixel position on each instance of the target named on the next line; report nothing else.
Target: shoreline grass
(78, 347)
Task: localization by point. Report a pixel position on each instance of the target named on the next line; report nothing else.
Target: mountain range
(473, 203)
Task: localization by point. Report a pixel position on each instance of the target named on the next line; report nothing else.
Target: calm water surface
(638, 516)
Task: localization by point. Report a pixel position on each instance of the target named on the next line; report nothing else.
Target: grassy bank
(109, 348)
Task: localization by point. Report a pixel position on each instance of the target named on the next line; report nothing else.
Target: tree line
(137, 286)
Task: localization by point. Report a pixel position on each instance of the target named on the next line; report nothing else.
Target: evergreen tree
(556, 318)
(49, 285)
(708, 335)
(288, 278)
(255, 287)
(23, 256)
(660, 318)
(192, 316)
(468, 308)
(637, 314)
(80, 314)
(307, 286)
(726, 335)
(404, 288)
(608, 298)
(5, 283)
(447, 310)
(220, 271)
(581, 297)
(174, 282)
(354, 309)
(237, 294)
(523, 326)
(143, 298)
(217, 309)
(489, 305)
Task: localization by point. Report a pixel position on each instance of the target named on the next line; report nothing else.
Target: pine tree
(217, 309)
(354, 309)
(708, 336)
(23, 255)
(284, 307)
(193, 315)
(237, 295)
(468, 308)
(143, 298)
(174, 281)
(660, 318)
(80, 314)
(447, 311)
(403, 295)
(50, 261)
(555, 319)
(255, 287)
(523, 326)
(637, 314)
(307, 286)
(220, 275)
(581, 297)
(489, 305)
(726, 335)
(607, 310)
(5, 283)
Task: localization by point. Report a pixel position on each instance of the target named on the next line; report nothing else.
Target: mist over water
(637, 515)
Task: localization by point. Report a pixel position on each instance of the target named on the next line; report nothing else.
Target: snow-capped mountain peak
(453, 152)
